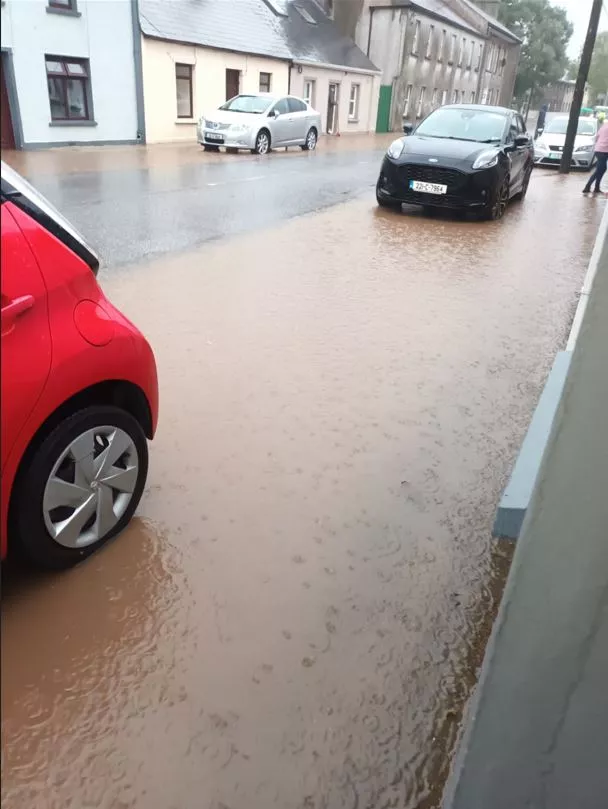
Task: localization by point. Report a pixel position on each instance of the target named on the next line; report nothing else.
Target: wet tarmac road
(295, 618)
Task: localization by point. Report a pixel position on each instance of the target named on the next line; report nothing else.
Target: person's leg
(600, 170)
(591, 180)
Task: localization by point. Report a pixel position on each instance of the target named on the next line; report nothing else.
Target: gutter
(342, 68)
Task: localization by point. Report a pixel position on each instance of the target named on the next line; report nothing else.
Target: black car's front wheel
(499, 199)
(386, 202)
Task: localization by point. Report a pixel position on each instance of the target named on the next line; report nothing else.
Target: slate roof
(273, 28)
(492, 21)
(440, 9)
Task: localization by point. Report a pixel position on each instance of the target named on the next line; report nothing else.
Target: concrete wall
(209, 84)
(102, 33)
(368, 96)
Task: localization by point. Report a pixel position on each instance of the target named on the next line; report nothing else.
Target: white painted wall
(368, 95)
(209, 84)
(103, 34)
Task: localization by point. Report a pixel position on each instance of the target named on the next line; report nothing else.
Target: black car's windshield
(481, 126)
(558, 126)
(255, 104)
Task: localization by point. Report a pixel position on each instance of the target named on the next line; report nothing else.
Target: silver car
(549, 145)
(260, 122)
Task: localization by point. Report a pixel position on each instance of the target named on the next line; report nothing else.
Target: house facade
(431, 52)
(195, 57)
(69, 73)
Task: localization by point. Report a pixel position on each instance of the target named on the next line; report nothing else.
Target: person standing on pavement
(601, 153)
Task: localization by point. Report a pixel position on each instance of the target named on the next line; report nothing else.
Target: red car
(79, 390)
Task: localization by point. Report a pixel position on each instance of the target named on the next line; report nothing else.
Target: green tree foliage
(545, 32)
(598, 73)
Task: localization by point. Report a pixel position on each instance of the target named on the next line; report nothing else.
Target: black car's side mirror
(408, 128)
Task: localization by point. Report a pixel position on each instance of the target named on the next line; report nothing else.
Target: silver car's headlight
(486, 159)
(395, 149)
(239, 128)
(588, 148)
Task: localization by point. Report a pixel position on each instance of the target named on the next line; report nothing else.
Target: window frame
(444, 97)
(421, 95)
(429, 42)
(452, 50)
(64, 77)
(269, 75)
(416, 40)
(463, 43)
(190, 80)
(66, 7)
(454, 96)
(442, 46)
(309, 101)
(354, 115)
(408, 99)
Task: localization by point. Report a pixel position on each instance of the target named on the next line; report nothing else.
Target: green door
(384, 108)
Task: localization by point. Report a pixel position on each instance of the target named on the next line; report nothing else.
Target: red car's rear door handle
(13, 309)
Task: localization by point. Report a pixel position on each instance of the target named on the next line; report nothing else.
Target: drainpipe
(138, 70)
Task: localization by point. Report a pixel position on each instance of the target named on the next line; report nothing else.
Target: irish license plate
(214, 136)
(428, 188)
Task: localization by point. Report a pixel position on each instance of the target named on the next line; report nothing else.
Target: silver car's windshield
(255, 104)
(558, 126)
(463, 124)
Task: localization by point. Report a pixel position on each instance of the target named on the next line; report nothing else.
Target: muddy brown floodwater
(296, 617)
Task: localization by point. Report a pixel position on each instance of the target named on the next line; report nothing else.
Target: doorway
(333, 100)
(6, 122)
(233, 81)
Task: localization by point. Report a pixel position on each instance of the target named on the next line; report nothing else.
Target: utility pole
(579, 89)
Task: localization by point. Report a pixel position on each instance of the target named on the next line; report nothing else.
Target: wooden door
(6, 124)
(233, 80)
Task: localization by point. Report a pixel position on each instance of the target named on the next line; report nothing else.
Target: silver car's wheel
(311, 140)
(90, 486)
(262, 143)
(79, 486)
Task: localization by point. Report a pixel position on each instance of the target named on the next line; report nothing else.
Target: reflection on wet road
(296, 617)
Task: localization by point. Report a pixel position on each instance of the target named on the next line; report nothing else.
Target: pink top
(601, 144)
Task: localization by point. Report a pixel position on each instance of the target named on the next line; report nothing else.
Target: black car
(472, 158)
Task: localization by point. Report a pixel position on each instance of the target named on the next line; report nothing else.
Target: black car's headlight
(486, 159)
(396, 148)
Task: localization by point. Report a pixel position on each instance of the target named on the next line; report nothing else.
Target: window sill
(186, 121)
(65, 12)
(72, 123)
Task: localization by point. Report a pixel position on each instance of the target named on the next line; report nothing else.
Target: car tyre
(262, 143)
(310, 144)
(383, 202)
(208, 148)
(30, 509)
(497, 206)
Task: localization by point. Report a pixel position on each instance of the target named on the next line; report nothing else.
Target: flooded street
(296, 616)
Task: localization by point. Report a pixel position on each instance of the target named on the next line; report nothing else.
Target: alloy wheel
(501, 201)
(90, 486)
(311, 140)
(262, 143)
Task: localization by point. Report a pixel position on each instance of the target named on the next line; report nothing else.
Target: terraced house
(431, 52)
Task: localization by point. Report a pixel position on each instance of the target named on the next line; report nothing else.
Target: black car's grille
(432, 174)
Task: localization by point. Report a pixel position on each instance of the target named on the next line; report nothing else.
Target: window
(295, 105)
(282, 106)
(408, 98)
(455, 97)
(309, 92)
(69, 88)
(434, 97)
(452, 49)
(183, 89)
(265, 82)
(442, 47)
(470, 55)
(420, 102)
(490, 59)
(462, 97)
(473, 97)
(463, 46)
(353, 102)
(479, 56)
(416, 41)
(429, 43)
(64, 5)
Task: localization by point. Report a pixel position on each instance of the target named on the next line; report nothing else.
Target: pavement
(537, 733)
(296, 617)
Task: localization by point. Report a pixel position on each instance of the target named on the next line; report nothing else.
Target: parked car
(79, 390)
(467, 157)
(259, 122)
(549, 144)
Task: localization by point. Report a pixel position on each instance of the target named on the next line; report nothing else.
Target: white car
(549, 145)
(260, 122)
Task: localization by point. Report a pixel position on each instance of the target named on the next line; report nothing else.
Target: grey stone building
(431, 52)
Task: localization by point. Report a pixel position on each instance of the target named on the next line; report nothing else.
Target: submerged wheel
(80, 487)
